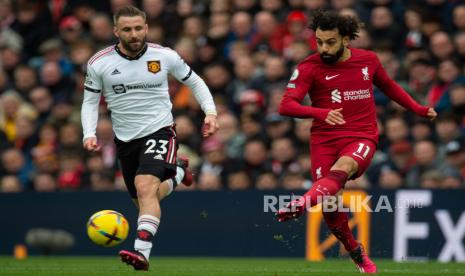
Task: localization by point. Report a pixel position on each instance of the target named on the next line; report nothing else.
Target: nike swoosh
(331, 77)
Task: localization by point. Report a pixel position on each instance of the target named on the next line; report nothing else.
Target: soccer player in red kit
(339, 81)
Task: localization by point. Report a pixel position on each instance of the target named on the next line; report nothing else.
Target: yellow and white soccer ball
(107, 228)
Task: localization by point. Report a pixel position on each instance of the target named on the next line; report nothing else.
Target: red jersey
(347, 85)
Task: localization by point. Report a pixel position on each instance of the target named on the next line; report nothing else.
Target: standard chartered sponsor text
(356, 94)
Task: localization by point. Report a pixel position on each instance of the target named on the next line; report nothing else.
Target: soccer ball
(107, 228)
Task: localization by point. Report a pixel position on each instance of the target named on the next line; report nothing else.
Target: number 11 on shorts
(362, 151)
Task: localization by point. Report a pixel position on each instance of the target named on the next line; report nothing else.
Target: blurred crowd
(245, 51)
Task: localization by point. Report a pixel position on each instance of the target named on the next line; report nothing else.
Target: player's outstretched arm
(182, 72)
(399, 95)
(204, 98)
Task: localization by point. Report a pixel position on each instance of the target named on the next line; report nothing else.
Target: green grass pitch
(215, 266)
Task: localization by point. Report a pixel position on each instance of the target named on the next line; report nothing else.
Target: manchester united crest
(153, 66)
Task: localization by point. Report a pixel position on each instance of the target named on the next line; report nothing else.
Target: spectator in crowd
(384, 30)
(44, 182)
(245, 72)
(13, 107)
(42, 101)
(102, 181)
(455, 158)
(71, 170)
(425, 153)
(240, 30)
(458, 17)
(457, 101)
(448, 75)
(230, 136)
(14, 163)
(10, 184)
(101, 30)
(421, 74)
(447, 129)
(252, 102)
(283, 157)
(239, 180)
(209, 181)
(25, 79)
(396, 130)
(441, 46)
(266, 181)
(413, 21)
(459, 43)
(255, 159)
(275, 74)
(215, 160)
(268, 35)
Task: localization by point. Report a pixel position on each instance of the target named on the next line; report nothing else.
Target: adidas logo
(158, 157)
(115, 72)
(336, 96)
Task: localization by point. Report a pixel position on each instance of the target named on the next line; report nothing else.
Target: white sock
(150, 224)
(174, 181)
(179, 175)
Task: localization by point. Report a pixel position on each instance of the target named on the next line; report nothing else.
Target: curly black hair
(330, 20)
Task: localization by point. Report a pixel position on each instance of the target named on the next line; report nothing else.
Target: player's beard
(331, 59)
(133, 46)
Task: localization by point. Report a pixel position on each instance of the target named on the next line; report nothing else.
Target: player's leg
(157, 157)
(354, 160)
(327, 182)
(147, 186)
(361, 152)
(149, 212)
(333, 182)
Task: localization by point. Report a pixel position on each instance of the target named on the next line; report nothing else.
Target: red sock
(338, 223)
(327, 186)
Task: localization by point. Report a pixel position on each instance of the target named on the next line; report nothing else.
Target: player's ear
(345, 41)
(115, 31)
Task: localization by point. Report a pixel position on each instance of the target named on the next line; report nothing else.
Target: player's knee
(146, 186)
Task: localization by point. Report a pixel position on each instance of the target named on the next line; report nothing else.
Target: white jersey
(136, 90)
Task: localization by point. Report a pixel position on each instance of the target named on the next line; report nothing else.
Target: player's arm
(182, 72)
(291, 104)
(393, 90)
(89, 111)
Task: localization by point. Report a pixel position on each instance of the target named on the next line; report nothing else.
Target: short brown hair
(128, 11)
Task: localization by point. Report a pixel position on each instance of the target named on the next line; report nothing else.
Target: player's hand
(335, 117)
(210, 126)
(432, 114)
(91, 144)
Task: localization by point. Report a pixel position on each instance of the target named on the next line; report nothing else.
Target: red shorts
(323, 156)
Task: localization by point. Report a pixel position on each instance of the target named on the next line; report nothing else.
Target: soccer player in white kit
(132, 76)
